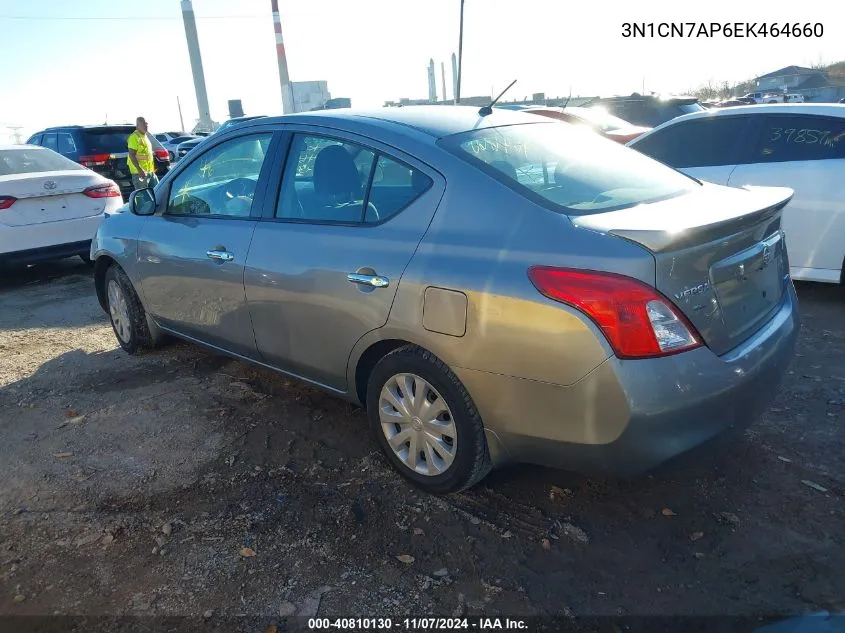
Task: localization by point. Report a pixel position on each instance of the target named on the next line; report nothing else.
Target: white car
(795, 145)
(50, 206)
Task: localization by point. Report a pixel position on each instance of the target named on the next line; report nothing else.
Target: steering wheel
(372, 211)
(239, 188)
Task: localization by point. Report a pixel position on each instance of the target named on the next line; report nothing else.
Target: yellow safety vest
(143, 152)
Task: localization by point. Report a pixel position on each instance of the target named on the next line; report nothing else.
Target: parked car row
(492, 286)
(101, 148)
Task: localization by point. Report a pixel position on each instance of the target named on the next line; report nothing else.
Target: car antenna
(488, 109)
(566, 103)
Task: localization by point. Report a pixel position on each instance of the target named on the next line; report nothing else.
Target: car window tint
(395, 186)
(790, 138)
(66, 144)
(161, 137)
(34, 140)
(222, 180)
(568, 167)
(705, 142)
(107, 140)
(325, 180)
(50, 142)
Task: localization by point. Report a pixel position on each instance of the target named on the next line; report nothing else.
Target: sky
(94, 61)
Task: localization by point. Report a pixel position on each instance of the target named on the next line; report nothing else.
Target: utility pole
(460, 54)
(288, 106)
(181, 121)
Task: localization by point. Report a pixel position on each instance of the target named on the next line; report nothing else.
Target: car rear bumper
(20, 245)
(45, 254)
(628, 416)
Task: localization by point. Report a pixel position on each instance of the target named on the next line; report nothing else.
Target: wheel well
(101, 265)
(371, 356)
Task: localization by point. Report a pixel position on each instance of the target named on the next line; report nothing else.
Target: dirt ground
(185, 483)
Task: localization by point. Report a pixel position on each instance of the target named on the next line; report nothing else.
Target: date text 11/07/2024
(722, 29)
(418, 624)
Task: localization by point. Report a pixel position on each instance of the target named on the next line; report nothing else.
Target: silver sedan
(493, 287)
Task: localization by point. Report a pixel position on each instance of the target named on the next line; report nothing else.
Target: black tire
(472, 459)
(138, 335)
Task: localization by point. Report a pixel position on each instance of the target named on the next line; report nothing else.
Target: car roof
(433, 120)
(828, 109)
(87, 127)
(821, 109)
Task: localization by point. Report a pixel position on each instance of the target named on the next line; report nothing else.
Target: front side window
(705, 142)
(222, 181)
(330, 180)
(793, 137)
(569, 168)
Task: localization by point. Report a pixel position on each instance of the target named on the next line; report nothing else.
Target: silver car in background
(493, 287)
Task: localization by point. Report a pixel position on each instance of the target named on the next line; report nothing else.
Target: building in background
(819, 85)
(309, 95)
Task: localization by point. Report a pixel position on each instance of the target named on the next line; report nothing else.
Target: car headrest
(335, 174)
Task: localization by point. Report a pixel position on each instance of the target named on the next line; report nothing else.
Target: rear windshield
(569, 168)
(107, 140)
(30, 161)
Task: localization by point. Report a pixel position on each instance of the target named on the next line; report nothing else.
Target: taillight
(6, 202)
(161, 154)
(94, 160)
(637, 320)
(109, 190)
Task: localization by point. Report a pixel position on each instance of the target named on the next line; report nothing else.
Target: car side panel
(482, 242)
(814, 221)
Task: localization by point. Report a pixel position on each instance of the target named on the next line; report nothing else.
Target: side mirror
(142, 202)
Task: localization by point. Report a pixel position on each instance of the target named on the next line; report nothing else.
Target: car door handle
(376, 281)
(224, 256)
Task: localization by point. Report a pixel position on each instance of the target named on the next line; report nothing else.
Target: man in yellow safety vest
(141, 162)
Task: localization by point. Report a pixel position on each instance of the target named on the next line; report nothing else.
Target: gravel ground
(185, 483)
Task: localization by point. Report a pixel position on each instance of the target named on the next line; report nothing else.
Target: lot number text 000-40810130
(722, 29)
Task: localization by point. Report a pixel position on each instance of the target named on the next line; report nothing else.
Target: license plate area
(749, 284)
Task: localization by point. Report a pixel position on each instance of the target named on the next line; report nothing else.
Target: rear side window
(332, 181)
(792, 138)
(66, 144)
(706, 142)
(50, 142)
(568, 167)
(34, 140)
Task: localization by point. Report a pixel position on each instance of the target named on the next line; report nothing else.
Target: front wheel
(127, 316)
(426, 422)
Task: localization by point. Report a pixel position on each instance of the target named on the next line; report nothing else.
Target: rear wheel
(426, 422)
(126, 313)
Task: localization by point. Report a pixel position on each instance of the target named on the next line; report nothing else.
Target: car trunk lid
(720, 255)
(50, 196)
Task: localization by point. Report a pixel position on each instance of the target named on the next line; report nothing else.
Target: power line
(144, 17)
